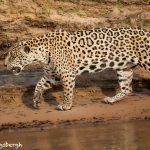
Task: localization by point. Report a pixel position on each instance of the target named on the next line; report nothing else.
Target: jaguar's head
(19, 57)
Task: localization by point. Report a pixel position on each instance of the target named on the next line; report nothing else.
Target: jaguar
(66, 55)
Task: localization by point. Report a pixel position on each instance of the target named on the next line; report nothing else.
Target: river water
(115, 136)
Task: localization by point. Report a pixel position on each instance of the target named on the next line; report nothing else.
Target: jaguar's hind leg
(125, 79)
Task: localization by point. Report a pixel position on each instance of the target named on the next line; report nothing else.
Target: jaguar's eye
(27, 49)
(10, 59)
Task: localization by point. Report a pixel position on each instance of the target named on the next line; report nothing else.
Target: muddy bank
(16, 109)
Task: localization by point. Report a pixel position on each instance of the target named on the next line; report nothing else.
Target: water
(118, 136)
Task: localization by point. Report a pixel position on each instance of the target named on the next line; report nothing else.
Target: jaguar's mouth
(16, 70)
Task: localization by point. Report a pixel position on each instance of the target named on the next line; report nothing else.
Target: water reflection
(124, 136)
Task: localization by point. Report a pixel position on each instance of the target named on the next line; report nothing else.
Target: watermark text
(10, 145)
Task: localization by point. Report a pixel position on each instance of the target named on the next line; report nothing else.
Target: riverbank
(16, 109)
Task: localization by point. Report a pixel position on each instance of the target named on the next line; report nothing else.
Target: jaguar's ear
(26, 49)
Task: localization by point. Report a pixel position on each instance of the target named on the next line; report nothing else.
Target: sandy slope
(16, 109)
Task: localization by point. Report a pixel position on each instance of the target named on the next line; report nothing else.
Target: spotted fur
(68, 54)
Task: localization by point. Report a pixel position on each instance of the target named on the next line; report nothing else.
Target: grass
(43, 11)
(2, 2)
(71, 1)
(60, 11)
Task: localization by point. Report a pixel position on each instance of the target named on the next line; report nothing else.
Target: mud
(16, 109)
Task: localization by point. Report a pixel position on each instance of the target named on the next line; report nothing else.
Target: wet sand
(16, 109)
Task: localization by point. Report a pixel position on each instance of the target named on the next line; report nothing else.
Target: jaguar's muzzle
(16, 70)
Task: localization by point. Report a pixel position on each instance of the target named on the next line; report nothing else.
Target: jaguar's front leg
(68, 87)
(43, 84)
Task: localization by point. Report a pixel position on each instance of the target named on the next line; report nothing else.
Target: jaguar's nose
(16, 70)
